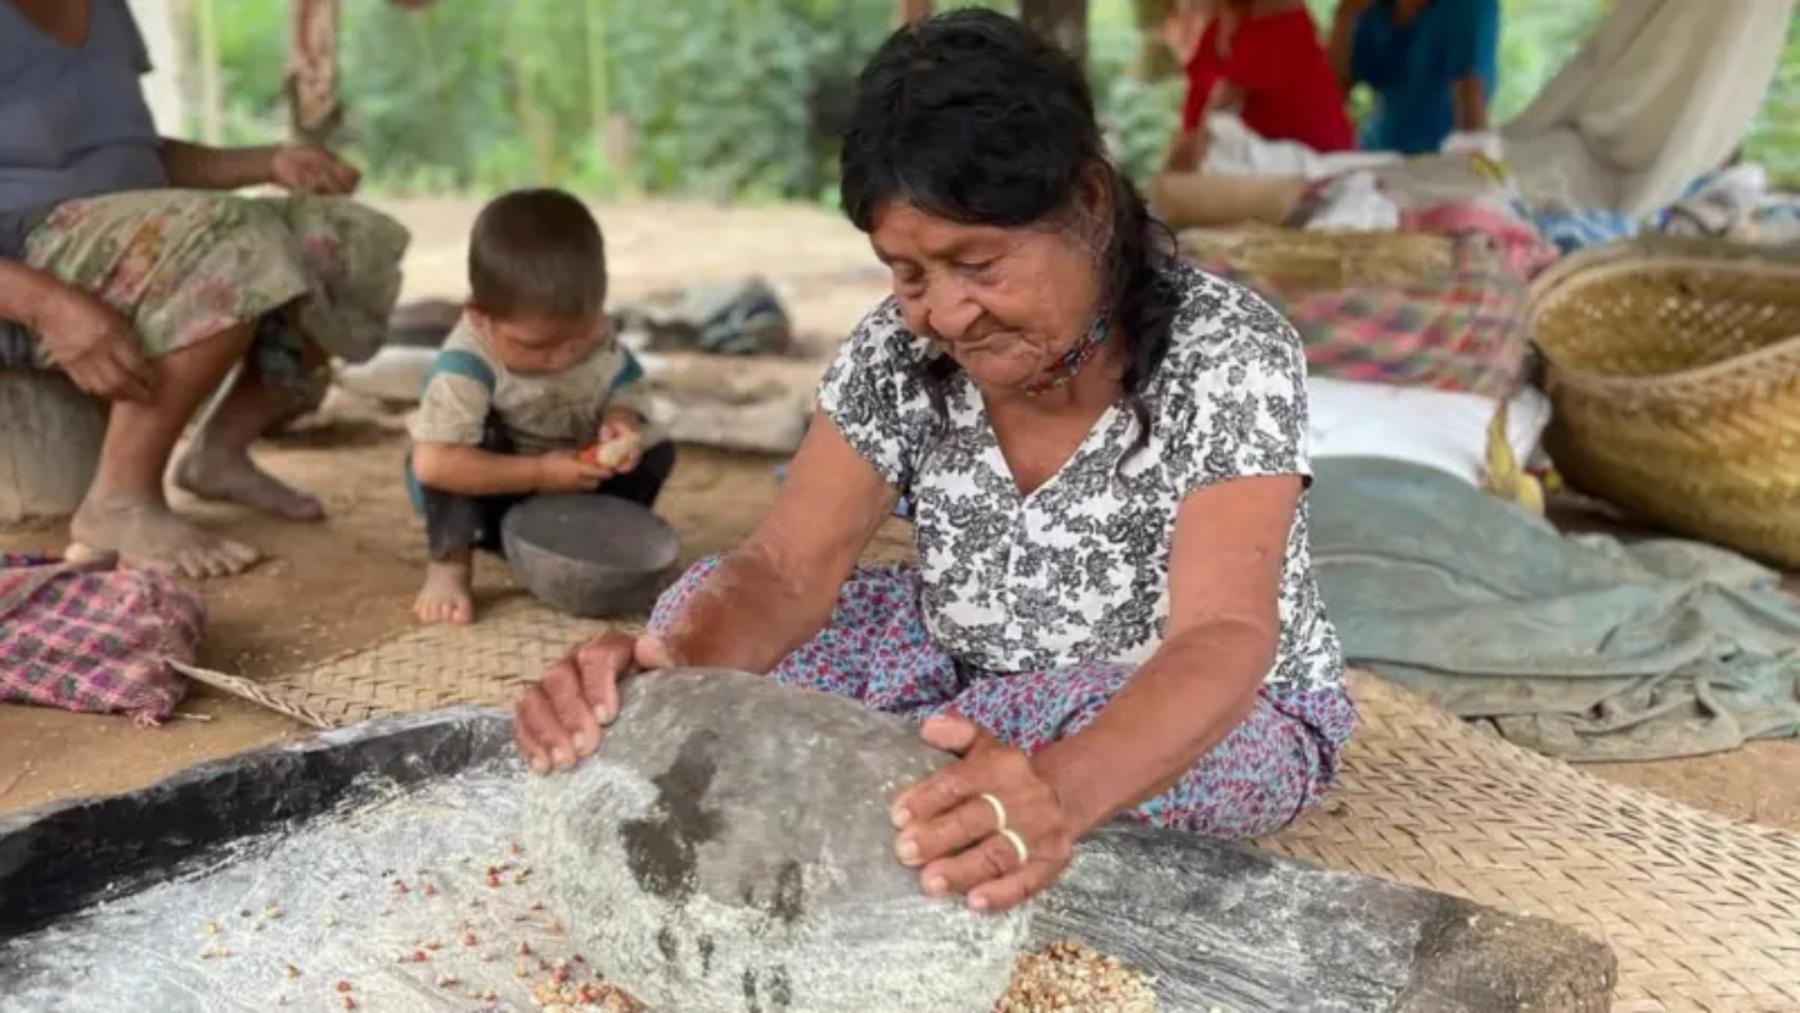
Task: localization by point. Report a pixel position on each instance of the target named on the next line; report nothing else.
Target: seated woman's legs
(1268, 770)
(876, 649)
(216, 464)
(125, 510)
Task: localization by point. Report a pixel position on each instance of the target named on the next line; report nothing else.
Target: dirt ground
(349, 582)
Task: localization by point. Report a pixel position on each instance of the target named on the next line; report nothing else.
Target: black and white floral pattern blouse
(1078, 571)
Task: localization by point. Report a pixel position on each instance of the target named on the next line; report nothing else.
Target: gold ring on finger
(999, 811)
(1018, 845)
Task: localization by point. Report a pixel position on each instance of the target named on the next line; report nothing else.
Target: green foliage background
(733, 99)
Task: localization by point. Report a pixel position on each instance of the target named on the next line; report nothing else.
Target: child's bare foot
(445, 598)
(146, 533)
(234, 478)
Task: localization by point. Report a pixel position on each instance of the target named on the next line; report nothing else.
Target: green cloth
(1581, 647)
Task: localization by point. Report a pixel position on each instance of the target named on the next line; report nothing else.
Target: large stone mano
(729, 848)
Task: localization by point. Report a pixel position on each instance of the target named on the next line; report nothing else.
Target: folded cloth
(1460, 329)
(1581, 647)
(1503, 222)
(743, 317)
(92, 638)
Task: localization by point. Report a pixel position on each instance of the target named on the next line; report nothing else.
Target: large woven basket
(1675, 371)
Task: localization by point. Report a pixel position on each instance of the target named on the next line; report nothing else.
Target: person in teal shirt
(1433, 65)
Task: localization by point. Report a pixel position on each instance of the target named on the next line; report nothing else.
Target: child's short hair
(537, 253)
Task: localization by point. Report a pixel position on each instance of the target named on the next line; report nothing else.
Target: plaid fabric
(1463, 331)
(93, 639)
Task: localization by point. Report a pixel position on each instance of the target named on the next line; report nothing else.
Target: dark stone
(588, 555)
(1219, 926)
(1225, 926)
(729, 848)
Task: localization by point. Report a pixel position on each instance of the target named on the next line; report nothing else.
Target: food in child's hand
(613, 452)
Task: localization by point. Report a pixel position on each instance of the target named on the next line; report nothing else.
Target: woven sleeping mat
(1703, 913)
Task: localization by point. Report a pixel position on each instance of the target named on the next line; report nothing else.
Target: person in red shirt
(1263, 60)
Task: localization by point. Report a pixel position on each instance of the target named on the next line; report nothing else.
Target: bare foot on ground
(147, 534)
(445, 598)
(234, 478)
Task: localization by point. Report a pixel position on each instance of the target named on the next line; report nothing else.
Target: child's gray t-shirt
(539, 411)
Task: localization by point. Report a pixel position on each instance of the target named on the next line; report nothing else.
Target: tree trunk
(527, 105)
(1154, 62)
(49, 444)
(162, 87)
(1063, 22)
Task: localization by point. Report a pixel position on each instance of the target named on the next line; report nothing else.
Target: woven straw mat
(1703, 913)
(423, 669)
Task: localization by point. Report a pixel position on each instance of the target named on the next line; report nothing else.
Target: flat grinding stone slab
(730, 847)
(102, 899)
(589, 555)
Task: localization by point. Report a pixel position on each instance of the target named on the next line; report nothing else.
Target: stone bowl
(590, 555)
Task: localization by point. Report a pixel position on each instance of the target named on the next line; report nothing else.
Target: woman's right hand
(94, 345)
(559, 718)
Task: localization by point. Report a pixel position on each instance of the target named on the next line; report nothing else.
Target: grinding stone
(729, 849)
(590, 555)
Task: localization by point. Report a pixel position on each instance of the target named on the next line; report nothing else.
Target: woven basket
(1675, 371)
(1296, 261)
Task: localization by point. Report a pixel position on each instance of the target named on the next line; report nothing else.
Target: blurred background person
(1432, 64)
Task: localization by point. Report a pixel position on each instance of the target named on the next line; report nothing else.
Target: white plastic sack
(1233, 149)
(1354, 203)
(1446, 430)
(396, 373)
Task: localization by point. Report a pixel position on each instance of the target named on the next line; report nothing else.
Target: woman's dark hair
(970, 117)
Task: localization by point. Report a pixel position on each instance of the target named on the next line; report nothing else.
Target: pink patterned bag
(94, 638)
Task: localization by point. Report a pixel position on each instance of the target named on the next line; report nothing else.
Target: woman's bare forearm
(198, 167)
(1339, 44)
(1172, 712)
(1470, 95)
(754, 610)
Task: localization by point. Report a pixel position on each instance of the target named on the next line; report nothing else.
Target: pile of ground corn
(1070, 976)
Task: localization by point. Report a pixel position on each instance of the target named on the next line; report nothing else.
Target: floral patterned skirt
(876, 649)
(184, 265)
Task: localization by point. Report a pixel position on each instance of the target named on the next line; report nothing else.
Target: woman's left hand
(307, 168)
(961, 842)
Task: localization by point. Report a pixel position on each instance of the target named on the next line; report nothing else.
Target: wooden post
(49, 444)
(312, 80)
(1063, 22)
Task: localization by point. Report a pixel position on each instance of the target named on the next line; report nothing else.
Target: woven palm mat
(1703, 913)
(422, 669)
